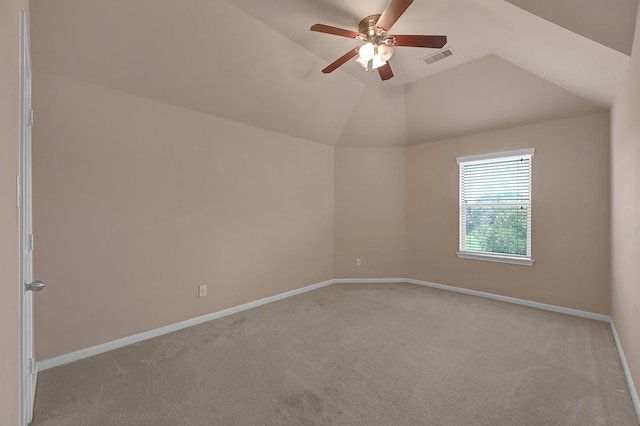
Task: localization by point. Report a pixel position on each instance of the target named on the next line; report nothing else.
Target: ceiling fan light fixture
(377, 62)
(367, 51)
(365, 64)
(385, 52)
(377, 49)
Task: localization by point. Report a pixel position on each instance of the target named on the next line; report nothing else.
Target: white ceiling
(256, 62)
(608, 23)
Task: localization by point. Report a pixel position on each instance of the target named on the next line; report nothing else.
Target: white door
(28, 374)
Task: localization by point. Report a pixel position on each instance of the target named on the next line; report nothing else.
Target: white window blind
(495, 206)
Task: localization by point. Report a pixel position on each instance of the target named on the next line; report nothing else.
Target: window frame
(491, 256)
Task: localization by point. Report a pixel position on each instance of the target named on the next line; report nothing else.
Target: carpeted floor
(354, 354)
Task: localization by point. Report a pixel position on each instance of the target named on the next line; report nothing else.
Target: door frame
(28, 373)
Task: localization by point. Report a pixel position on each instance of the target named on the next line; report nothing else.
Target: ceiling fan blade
(385, 72)
(341, 60)
(433, 41)
(394, 10)
(334, 30)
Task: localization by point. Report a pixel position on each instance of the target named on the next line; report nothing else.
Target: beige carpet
(354, 354)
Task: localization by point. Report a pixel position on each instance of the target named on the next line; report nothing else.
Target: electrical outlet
(202, 290)
(358, 262)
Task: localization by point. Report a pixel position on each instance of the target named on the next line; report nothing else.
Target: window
(495, 207)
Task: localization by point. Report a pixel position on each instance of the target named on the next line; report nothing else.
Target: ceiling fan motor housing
(374, 35)
(368, 24)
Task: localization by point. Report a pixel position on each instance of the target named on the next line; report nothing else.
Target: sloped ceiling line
(258, 63)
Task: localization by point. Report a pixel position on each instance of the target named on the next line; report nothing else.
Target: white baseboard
(115, 344)
(538, 305)
(369, 280)
(129, 340)
(627, 371)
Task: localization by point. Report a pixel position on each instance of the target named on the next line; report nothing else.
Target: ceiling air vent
(438, 56)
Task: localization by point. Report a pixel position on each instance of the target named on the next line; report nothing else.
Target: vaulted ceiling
(515, 62)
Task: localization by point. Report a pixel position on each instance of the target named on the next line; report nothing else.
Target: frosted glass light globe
(365, 64)
(377, 62)
(385, 52)
(366, 52)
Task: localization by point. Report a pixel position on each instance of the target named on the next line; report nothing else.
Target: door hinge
(30, 242)
(30, 117)
(31, 367)
(18, 193)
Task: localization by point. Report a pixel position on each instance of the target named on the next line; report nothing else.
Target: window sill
(496, 258)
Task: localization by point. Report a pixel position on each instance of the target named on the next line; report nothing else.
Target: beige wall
(371, 210)
(136, 203)
(625, 152)
(570, 229)
(9, 271)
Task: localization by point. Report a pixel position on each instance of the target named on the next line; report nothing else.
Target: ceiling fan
(378, 47)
